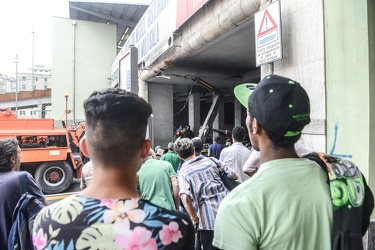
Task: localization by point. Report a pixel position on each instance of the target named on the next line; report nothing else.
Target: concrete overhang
(217, 44)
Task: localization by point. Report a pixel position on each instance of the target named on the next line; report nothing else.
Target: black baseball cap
(279, 104)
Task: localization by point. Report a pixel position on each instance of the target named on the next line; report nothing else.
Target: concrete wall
(349, 74)
(89, 70)
(350, 78)
(160, 98)
(303, 61)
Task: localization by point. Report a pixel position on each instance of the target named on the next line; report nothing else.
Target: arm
(33, 189)
(252, 164)
(175, 190)
(188, 204)
(228, 170)
(83, 182)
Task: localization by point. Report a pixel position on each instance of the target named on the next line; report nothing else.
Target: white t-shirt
(252, 163)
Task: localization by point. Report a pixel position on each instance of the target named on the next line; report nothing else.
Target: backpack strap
(352, 200)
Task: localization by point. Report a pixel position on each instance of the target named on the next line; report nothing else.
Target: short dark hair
(8, 148)
(217, 138)
(197, 144)
(278, 141)
(116, 123)
(282, 141)
(184, 147)
(238, 133)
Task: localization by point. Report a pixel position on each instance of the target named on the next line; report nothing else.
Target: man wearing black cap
(286, 204)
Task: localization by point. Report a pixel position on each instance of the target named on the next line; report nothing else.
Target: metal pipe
(66, 111)
(74, 71)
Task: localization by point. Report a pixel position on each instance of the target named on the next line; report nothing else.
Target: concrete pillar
(194, 112)
(40, 111)
(143, 89)
(238, 116)
(219, 123)
(160, 97)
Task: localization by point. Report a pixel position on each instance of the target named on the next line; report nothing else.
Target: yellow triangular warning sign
(267, 24)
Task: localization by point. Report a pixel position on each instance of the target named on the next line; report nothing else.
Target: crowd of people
(134, 197)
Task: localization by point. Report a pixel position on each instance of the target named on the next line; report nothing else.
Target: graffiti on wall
(332, 152)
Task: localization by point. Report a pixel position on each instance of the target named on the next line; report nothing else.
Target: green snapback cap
(243, 91)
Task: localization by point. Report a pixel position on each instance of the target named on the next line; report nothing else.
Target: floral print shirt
(79, 222)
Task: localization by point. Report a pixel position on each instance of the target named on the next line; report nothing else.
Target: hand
(196, 227)
(195, 220)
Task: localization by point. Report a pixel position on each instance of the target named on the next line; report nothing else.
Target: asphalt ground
(73, 189)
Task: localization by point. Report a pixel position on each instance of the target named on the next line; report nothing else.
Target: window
(24, 78)
(23, 86)
(45, 79)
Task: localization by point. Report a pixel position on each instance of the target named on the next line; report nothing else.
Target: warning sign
(268, 34)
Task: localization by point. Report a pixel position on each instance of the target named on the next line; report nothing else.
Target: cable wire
(187, 100)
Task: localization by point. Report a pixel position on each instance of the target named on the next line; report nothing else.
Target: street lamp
(16, 61)
(66, 110)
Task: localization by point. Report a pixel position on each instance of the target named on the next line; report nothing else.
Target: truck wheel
(54, 177)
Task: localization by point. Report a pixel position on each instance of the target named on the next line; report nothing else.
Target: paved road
(74, 187)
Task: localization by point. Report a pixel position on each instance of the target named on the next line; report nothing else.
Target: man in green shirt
(157, 182)
(286, 204)
(171, 156)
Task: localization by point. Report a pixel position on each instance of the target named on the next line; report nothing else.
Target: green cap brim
(243, 91)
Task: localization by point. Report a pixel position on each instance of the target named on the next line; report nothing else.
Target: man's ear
(145, 148)
(255, 126)
(83, 147)
(12, 159)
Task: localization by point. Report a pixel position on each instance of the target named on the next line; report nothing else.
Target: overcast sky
(17, 20)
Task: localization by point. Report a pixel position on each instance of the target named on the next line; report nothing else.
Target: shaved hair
(116, 123)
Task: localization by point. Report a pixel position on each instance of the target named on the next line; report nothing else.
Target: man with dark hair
(201, 189)
(109, 213)
(287, 203)
(157, 182)
(214, 149)
(236, 155)
(198, 145)
(228, 142)
(171, 156)
(10, 186)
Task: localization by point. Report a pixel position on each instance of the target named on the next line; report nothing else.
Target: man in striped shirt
(201, 189)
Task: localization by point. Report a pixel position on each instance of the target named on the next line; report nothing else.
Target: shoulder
(155, 212)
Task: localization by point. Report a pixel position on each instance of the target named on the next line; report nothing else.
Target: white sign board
(268, 34)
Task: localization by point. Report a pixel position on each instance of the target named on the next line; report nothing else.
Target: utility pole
(16, 61)
(32, 63)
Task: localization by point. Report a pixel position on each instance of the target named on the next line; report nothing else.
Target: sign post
(268, 43)
(129, 71)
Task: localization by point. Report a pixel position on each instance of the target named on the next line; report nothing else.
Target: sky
(17, 20)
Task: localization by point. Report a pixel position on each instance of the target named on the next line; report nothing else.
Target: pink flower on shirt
(108, 203)
(170, 233)
(139, 238)
(38, 240)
